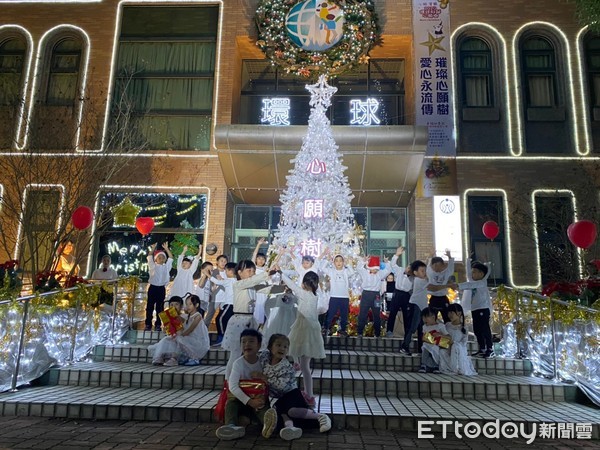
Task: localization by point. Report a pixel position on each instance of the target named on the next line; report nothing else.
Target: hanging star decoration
(321, 92)
(433, 43)
(124, 213)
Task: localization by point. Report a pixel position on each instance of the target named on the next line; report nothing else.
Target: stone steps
(363, 382)
(346, 411)
(335, 359)
(331, 342)
(326, 381)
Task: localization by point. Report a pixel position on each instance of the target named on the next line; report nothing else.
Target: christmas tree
(316, 215)
(181, 240)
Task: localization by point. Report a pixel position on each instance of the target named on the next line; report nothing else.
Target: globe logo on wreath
(315, 25)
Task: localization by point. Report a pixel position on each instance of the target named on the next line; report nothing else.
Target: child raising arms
(186, 266)
(283, 385)
(306, 341)
(244, 299)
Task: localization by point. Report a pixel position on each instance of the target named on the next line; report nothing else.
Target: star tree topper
(321, 93)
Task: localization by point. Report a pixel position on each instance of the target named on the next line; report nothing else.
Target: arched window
(12, 62)
(539, 72)
(476, 71)
(63, 74)
(592, 56)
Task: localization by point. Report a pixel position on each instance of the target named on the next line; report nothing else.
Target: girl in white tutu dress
(281, 315)
(306, 341)
(244, 300)
(456, 360)
(193, 340)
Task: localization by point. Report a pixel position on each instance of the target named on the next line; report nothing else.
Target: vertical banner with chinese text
(433, 96)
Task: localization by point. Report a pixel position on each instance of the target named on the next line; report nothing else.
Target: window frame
(488, 72)
(53, 70)
(552, 70)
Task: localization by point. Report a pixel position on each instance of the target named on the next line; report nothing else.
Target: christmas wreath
(360, 33)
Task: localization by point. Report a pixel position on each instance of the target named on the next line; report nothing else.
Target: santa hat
(373, 262)
(158, 252)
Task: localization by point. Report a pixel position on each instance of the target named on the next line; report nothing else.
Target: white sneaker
(325, 423)
(171, 362)
(230, 432)
(270, 422)
(290, 433)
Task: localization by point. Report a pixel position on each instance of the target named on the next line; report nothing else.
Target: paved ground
(65, 434)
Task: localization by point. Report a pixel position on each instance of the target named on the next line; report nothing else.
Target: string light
(146, 190)
(583, 98)
(30, 49)
(50, 325)
(216, 77)
(479, 26)
(568, 82)
(548, 193)
(36, 76)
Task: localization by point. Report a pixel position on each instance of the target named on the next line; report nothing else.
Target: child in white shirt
(243, 369)
(159, 267)
(416, 304)
(226, 308)
(184, 280)
(430, 358)
(371, 277)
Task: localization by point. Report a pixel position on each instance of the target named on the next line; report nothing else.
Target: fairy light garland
(49, 329)
(526, 319)
(361, 33)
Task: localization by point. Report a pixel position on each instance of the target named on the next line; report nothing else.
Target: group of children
(291, 324)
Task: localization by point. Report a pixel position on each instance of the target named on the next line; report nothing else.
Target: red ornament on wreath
(582, 234)
(82, 217)
(490, 230)
(144, 225)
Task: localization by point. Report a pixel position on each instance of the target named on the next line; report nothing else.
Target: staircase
(362, 383)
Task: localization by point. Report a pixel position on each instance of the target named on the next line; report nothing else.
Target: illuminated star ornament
(433, 43)
(124, 213)
(321, 93)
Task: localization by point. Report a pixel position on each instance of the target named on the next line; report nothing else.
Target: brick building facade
(509, 150)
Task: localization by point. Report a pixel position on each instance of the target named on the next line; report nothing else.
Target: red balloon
(582, 234)
(144, 225)
(82, 217)
(490, 230)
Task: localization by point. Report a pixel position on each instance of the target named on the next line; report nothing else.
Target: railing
(562, 339)
(60, 327)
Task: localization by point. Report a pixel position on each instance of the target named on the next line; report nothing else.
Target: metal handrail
(552, 301)
(26, 300)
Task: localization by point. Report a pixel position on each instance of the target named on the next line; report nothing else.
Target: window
(173, 214)
(481, 209)
(592, 53)
(40, 221)
(476, 71)
(12, 61)
(557, 256)
(63, 75)
(165, 75)
(539, 72)
(385, 229)
(381, 80)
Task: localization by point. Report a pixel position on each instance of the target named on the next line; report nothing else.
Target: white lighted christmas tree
(315, 206)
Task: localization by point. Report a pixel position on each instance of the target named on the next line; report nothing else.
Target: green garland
(361, 34)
